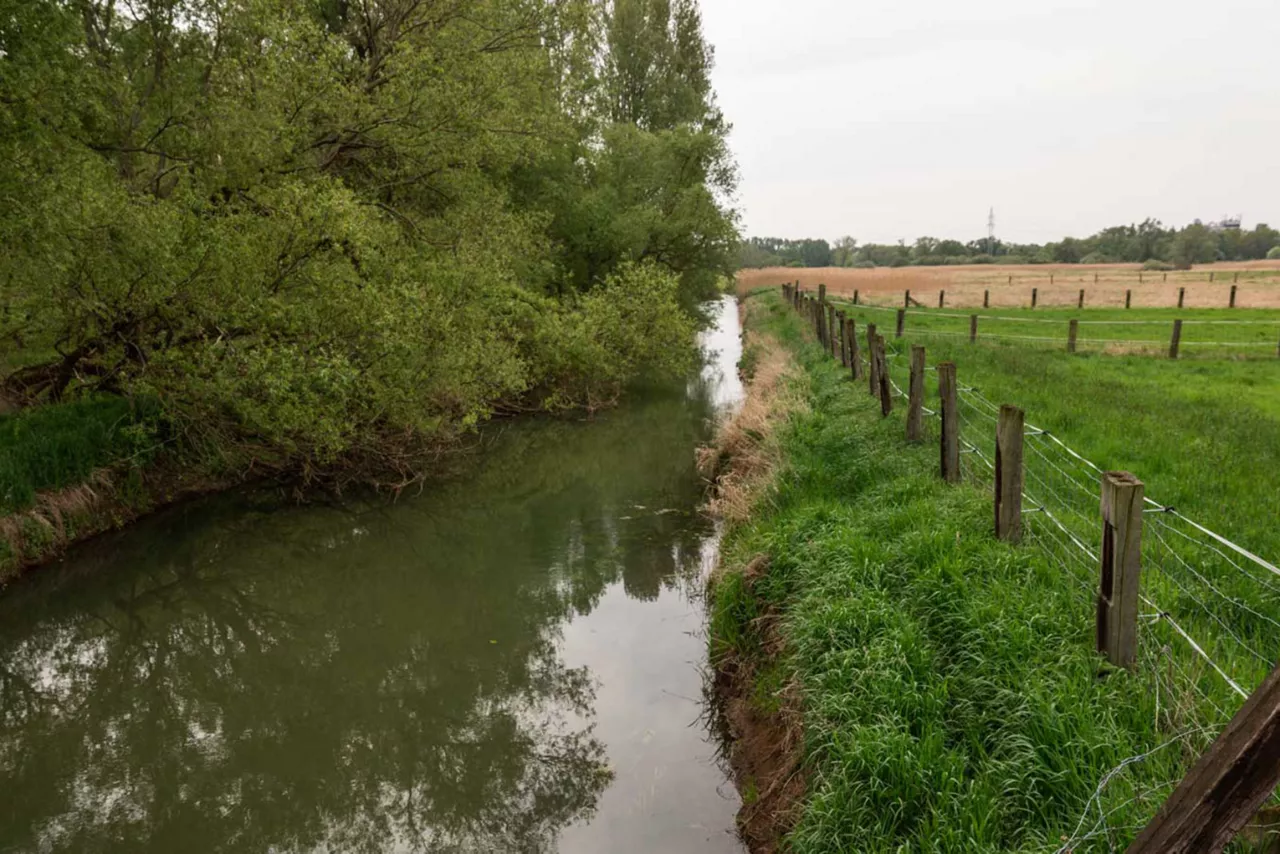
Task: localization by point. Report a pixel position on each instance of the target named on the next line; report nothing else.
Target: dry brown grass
(1258, 285)
(744, 455)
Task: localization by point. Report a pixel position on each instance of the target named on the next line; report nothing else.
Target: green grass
(952, 698)
(56, 446)
(1206, 333)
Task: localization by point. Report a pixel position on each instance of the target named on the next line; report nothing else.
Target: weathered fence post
(1080, 301)
(854, 357)
(973, 328)
(1128, 298)
(906, 299)
(915, 396)
(1051, 278)
(949, 398)
(1139, 277)
(1120, 564)
(844, 349)
(1235, 277)
(942, 297)
(986, 297)
(1164, 277)
(1008, 494)
(1011, 279)
(886, 399)
(1034, 293)
(822, 315)
(1233, 297)
(1177, 337)
(831, 332)
(1182, 292)
(1211, 276)
(855, 296)
(1072, 328)
(1227, 785)
(902, 320)
(873, 375)
(1095, 278)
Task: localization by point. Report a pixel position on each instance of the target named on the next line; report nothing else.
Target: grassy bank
(947, 685)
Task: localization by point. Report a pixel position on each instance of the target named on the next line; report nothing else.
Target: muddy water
(511, 661)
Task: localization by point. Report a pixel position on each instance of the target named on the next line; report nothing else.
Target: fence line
(1210, 634)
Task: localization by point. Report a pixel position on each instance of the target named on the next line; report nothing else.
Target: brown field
(1257, 283)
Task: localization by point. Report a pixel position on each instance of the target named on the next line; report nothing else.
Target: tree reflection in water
(245, 675)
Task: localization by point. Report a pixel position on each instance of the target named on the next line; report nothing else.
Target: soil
(766, 751)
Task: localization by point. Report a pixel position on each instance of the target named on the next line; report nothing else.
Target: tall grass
(951, 695)
(56, 446)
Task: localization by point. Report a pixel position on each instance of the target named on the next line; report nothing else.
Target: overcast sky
(888, 119)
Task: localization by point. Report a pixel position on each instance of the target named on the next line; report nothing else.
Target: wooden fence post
(886, 399)
(1080, 301)
(1072, 328)
(902, 321)
(1233, 297)
(1011, 280)
(1210, 276)
(915, 396)
(1051, 278)
(854, 358)
(855, 296)
(1139, 277)
(986, 297)
(1182, 292)
(949, 397)
(823, 335)
(1095, 278)
(1177, 337)
(1034, 292)
(1120, 566)
(1164, 277)
(1235, 277)
(1008, 493)
(906, 299)
(873, 376)
(831, 332)
(1227, 785)
(840, 337)
(942, 297)
(1128, 298)
(973, 328)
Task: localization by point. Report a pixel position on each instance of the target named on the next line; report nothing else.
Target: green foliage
(57, 446)
(1273, 253)
(1154, 264)
(949, 684)
(302, 227)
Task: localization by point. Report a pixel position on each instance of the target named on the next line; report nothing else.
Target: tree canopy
(314, 224)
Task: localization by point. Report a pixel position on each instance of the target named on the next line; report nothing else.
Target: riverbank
(938, 688)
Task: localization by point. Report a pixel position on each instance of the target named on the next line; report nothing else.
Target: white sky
(888, 120)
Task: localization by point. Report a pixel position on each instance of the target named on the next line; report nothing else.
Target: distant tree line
(1148, 242)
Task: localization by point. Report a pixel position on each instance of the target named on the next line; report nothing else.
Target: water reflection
(242, 674)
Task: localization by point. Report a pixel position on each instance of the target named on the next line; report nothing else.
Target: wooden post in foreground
(842, 326)
(973, 328)
(886, 399)
(1120, 567)
(1177, 337)
(1008, 502)
(1072, 328)
(1034, 292)
(902, 321)
(1182, 292)
(1233, 296)
(947, 394)
(915, 396)
(823, 335)
(833, 332)
(873, 376)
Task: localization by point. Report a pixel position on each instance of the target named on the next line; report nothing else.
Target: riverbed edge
(743, 463)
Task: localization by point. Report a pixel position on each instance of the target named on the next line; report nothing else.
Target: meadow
(1257, 284)
(951, 697)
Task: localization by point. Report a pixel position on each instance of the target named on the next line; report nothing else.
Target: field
(949, 688)
(1257, 282)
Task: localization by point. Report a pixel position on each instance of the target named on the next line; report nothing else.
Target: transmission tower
(991, 232)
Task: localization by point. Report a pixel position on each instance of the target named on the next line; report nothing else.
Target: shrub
(1157, 265)
(1096, 258)
(1273, 253)
(863, 264)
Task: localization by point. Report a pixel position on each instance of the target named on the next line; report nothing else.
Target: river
(510, 660)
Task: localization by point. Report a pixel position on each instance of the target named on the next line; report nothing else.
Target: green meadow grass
(951, 696)
(52, 447)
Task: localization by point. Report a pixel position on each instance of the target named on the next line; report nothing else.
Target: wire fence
(1209, 627)
(1252, 337)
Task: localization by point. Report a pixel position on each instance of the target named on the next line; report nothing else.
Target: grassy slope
(950, 690)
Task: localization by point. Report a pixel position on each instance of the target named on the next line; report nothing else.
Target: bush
(1096, 258)
(52, 447)
(1157, 265)
(863, 264)
(1273, 253)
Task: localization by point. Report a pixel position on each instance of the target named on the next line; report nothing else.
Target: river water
(512, 660)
